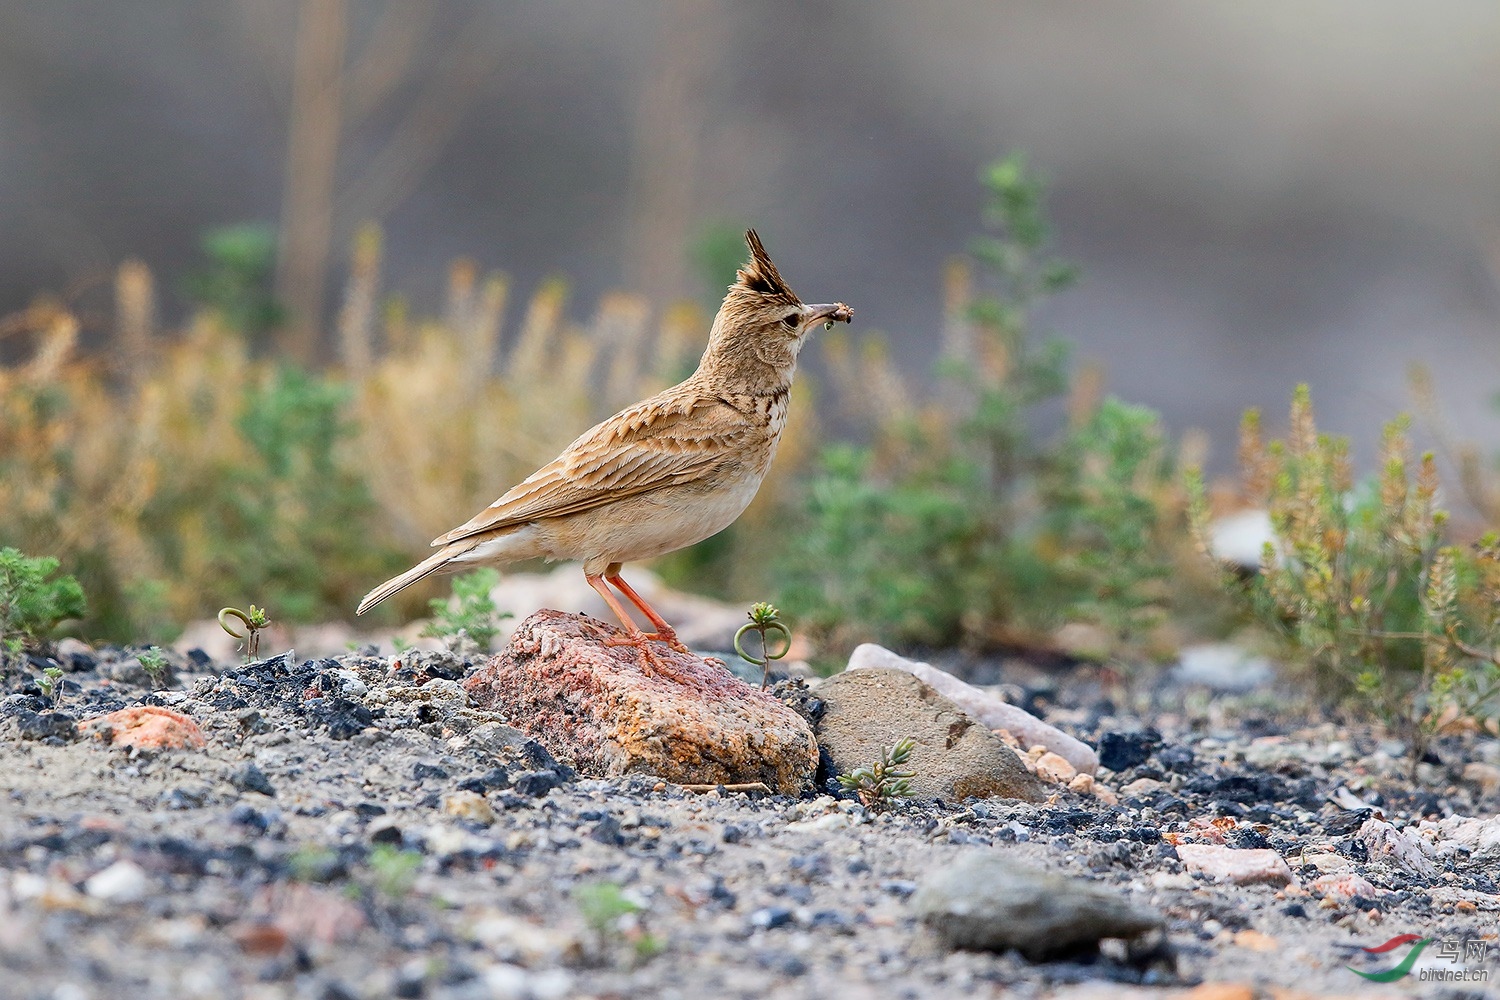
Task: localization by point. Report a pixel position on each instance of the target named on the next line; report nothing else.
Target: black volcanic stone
(1121, 751)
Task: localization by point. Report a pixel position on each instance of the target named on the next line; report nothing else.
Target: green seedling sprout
(254, 622)
(763, 618)
(51, 684)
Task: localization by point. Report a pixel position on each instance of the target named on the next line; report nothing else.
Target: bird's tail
(432, 564)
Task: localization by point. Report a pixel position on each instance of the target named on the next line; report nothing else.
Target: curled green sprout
(254, 622)
(764, 618)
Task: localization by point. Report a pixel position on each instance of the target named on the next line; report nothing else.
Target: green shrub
(1357, 586)
(32, 601)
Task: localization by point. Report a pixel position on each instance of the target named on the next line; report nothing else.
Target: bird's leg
(633, 635)
(664, 632)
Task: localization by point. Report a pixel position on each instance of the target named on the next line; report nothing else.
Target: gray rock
(1222, 666)
(954, 756)
(249, 778)
(987, 902)
(982, 706)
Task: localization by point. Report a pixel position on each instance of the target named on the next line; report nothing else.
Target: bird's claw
(651, 665)
(668, 638)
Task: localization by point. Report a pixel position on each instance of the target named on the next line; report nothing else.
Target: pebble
(1055, 768)
(771, 917)
(469, 806)
(1119, 751)
(985, 901)
(145, 727)
(122, 882)
(249, 778)
(1241, 866)
(1344, 886)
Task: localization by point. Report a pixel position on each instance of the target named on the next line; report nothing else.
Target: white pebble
(121, 882)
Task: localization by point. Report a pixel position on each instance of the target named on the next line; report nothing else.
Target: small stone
(469, 806)
(1055, 768)
(1386, 842)
(122, 882)
(249, 778)
(608, 832)
(146, 727)
(1119, 751)
(1241, 866)
(986, 901)
(251, 723)
(1142, 786)
(422, 771)
(870, 709)
(595, 704)
(536, 784)
(1325, 862)
(1481, 836)
(984, 707)
(1344, 886)
(1083, 784)
(45, 725)
(771, 917)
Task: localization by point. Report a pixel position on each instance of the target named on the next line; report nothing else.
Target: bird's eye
(790, 320)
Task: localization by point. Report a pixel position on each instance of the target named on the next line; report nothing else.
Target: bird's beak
(835, 312)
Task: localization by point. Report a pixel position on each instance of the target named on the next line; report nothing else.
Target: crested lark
(662, 474)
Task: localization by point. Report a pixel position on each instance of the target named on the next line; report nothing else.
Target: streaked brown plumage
(662, 474)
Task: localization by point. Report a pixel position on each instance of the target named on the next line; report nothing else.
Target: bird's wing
(661, 442)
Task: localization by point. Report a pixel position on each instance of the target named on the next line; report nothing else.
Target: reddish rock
(1242, 866)
(594, 704)
(146, 727)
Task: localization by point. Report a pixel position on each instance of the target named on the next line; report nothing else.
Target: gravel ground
(353, 829)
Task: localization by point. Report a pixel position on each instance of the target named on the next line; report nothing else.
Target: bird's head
(762, 323)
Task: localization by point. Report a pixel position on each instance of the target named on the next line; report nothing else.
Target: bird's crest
(760, 276)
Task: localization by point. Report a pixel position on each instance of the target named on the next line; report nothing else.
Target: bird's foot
(668, 637)
(651, 664)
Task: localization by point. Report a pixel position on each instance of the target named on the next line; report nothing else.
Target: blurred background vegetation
(255, 343)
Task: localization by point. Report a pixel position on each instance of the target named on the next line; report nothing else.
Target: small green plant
(32, 602)
(470, 613)
(612, 916)
(394, 870)
(1357, 585)
(254, 621)
(880, 784)
(763, 618)
(51, 684)
(154, 662)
